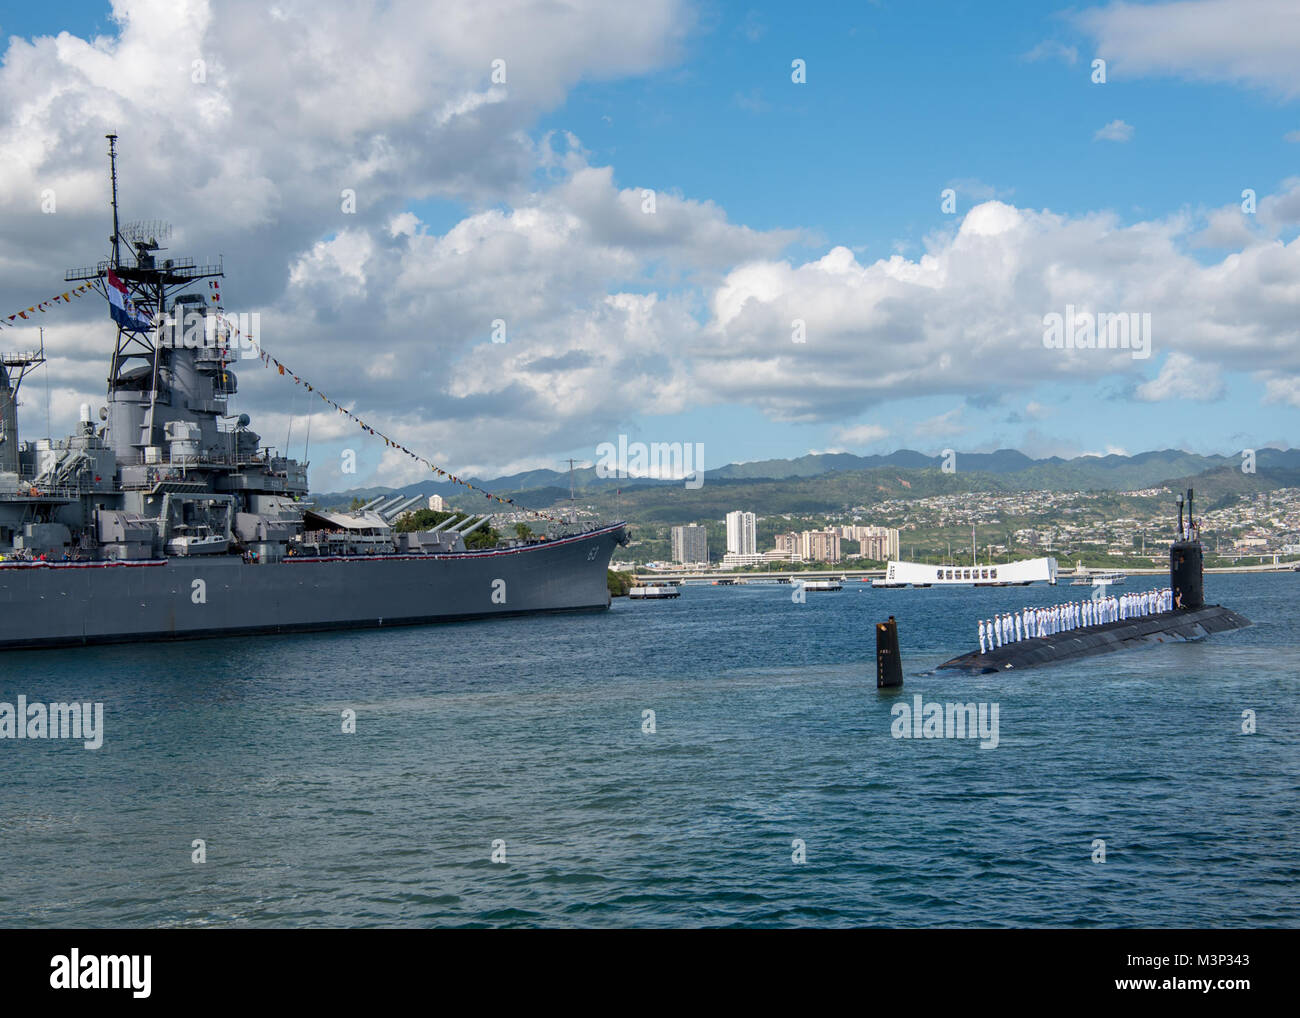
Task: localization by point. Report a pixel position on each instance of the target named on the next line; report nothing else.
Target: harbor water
(510, 773)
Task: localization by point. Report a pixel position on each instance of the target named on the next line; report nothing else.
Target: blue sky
(903, 100)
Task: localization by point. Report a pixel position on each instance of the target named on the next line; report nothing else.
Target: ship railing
(203, 460)
(20, 359)
(180, 267)
(29, 489)
(278, 465)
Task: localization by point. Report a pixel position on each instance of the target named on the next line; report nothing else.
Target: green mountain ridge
(832, 481)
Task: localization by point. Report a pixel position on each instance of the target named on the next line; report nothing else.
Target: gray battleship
(167, 519)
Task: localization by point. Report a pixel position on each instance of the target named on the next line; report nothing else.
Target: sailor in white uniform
(981, 636)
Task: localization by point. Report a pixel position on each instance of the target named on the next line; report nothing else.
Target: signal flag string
(269, 361)
(45, 305)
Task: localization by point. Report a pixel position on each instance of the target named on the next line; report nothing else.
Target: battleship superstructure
(167, 519)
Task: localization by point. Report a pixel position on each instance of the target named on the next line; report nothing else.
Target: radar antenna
(149, 287)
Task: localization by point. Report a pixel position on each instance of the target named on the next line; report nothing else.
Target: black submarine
(1190, 618)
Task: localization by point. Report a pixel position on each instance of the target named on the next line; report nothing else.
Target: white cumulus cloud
(1182, 377)
(1116, 130)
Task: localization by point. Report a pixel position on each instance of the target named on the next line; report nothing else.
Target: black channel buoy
(889, 666)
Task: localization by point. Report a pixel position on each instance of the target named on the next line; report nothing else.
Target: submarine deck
(1163, 627)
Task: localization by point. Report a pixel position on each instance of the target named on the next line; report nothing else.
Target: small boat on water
(1102, 578)
(654, 592)
(822, 585)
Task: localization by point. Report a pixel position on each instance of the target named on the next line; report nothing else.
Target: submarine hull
(1163, 627)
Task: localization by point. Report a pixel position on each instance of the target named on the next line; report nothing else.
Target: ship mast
(149, 282)
(112, 162)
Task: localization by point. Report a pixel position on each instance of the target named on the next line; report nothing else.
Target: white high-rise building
(436, 503)
(742, 533)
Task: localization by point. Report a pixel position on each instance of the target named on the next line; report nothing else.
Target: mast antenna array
(148, 282)
(112, 161)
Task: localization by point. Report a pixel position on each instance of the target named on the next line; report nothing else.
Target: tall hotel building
(742, 533)
(742, 541)
(820, 546)
(880, 543)
(690, 544)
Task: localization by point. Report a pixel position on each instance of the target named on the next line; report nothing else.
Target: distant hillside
(842, 478)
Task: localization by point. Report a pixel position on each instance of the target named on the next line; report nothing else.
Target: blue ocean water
(768, 729)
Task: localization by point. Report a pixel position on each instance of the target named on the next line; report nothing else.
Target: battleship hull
(75, 603)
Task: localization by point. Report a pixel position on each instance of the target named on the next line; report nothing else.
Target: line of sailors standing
(1029, 623)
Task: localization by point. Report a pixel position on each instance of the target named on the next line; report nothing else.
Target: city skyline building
(742, 533)
(879, 543)
(820, 546)
(690, 544)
